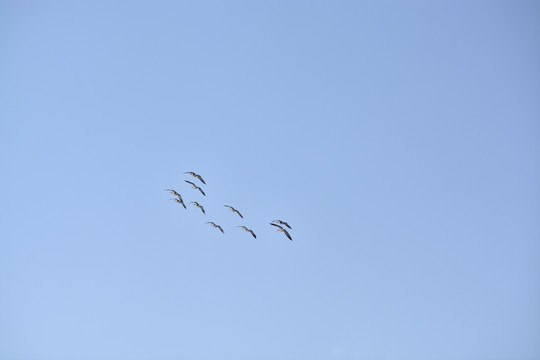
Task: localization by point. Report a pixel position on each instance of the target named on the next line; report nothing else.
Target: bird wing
(252, 233)
(219, 227)
(200, 178)
(287, 225)
(288, 235)
(202, 192)
(238, 212)
(276, 225)
(189, 182)
(202, 209)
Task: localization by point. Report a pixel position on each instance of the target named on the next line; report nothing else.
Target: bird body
(234, 210)
(283, 231)
(216, 226)
(248, 230)
(199, 206)
(282, 223)
(196, 175)
(195, 187)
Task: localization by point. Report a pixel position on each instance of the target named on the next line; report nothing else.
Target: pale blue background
(401, 140)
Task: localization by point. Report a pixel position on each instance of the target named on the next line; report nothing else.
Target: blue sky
(400, 140)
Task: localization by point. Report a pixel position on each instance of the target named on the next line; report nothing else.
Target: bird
(282, 223)
(283, 230)
(199, 206)
(195, 187)
(248, 230)
(172, 191)
(216, 226)
(234, 210)
(196, 175)
(179, 201)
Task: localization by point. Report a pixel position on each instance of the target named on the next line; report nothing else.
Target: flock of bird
(178, 199)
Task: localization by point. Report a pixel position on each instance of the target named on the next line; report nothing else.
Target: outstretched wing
(202, 192)
(200, 178)
(276, 225)
(219, 227)
(287, 225)
(252, 233)
(202, 209)
(181, 201)
(238, 212)
(288, 235)
(189, 182)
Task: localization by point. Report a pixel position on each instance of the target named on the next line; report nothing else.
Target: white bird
(282, 223)
(199, 206)
(179, 201)
(234, 210)
(195, 187)
(216, 226)
(196, 175)
(283, 230)
(248, 230)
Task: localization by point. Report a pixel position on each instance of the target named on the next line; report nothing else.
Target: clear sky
(399, 139)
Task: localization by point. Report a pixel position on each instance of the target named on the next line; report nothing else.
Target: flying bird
(179, 201)
(248, 230)
(283, 230)
(234, 210)
(216, 226)
(199, 206)
(195, 187)
(282, 223)
(172, 191)
(196, 175)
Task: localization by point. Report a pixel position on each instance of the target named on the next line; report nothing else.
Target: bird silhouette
(248, 230)
(216, 226)
(234, 210)
(282, 230)
(179, 201)
(199, 206)
(282, 223)
(172, 191)
(195, 187)
(196, 175)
